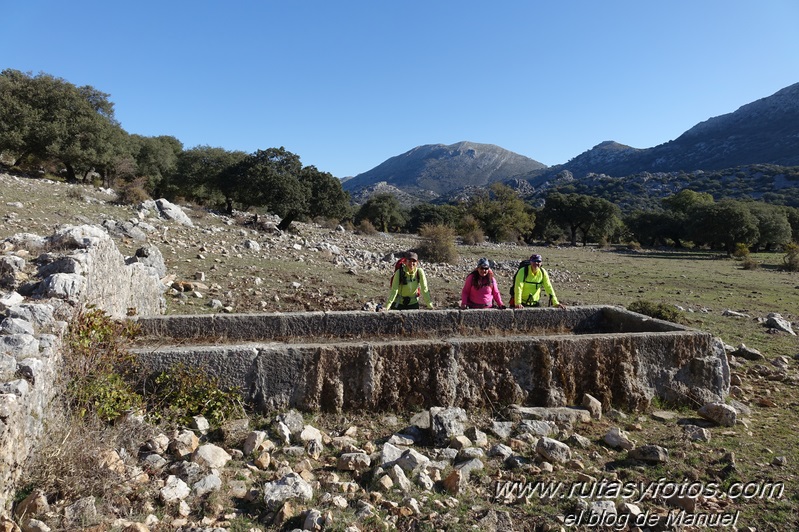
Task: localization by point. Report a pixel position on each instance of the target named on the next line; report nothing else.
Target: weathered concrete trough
(371, 361)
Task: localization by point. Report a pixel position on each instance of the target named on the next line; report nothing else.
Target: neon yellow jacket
(409, 289)
(527, 290)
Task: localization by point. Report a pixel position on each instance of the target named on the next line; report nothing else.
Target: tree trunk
(71, 177)
(286, 221)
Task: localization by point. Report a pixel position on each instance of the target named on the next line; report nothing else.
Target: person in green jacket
(408, 284)
(528, 282)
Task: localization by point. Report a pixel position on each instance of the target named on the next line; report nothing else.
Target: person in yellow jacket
(528, 282)
(408, 284)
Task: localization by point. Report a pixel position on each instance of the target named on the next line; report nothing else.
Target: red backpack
(403, 276)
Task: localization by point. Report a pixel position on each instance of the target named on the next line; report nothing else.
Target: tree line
(48, 123)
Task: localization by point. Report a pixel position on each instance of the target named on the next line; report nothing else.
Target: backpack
(403, 276)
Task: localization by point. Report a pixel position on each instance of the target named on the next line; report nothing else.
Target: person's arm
(518, 286)
(548, 288)
(423, 288)
(495, 292)
(392, 295)
(467, 289)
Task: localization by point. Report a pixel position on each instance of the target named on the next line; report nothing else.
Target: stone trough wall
(477, 358)
(43, 282)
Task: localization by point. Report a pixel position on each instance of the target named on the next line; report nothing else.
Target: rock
(553, 450)
(617, 438)
(353, 462)
(593, 405)
(695, 433)
(653, 454)
(776, 321)
(175, 489)
(171, 211)
(210, 456)
(748, 353)
(291, 486)
(719, 413)
(446, 423)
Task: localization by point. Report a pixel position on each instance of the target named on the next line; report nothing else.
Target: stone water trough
(375, 361)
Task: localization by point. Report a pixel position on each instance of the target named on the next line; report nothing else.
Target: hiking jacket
(409, 289)
(480, 296)
(527, 289)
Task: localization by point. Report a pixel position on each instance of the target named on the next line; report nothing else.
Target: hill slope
(763, 132)
(437, 169)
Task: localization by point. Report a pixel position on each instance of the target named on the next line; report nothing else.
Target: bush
(365, 227)
(326, 223)
(132, 193)
(100, 371)
(657, 310)
(438, 243)
(741, 251)
(473, 238)
(185, 391)
(748, 263)
(791, 258)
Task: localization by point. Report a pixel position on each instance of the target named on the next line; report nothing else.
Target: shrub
(365, 227)
(327, 223)
(438, 243)
(185, 391)
(100, 371)
(741, 251)
(473, 238)
(658, 311)
(132, 193)
(633, 245)
(748, 263)
(791, 258)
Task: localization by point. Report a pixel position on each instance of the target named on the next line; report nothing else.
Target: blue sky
(348, 84)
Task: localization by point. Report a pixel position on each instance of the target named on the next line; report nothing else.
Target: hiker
(527, 284)
(480, 288)
(408, 283)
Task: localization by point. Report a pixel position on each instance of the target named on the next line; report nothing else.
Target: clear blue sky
(347, 84)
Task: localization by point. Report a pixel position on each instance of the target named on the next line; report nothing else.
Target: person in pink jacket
(480, 288)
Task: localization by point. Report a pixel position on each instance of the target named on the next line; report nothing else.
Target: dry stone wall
(43, 282)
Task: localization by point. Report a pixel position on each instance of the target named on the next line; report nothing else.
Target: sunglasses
(482, 267)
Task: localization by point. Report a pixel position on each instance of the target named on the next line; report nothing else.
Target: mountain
(762, 132)
(749, 148)
(434, 170)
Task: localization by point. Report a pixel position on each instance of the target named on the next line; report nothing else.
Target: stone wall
(43, 282)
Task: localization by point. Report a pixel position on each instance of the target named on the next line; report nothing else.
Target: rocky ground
(436, 469)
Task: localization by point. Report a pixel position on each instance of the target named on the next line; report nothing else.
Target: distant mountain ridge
(764, 132)
(435, 170)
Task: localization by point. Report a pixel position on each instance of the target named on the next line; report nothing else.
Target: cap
(483, 263)
(535, 257)
(412, 255)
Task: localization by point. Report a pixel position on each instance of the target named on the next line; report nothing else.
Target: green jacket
(527, 289)
(415, 284)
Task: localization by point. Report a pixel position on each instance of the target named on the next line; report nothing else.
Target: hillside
(258, 269)
(434, 170)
